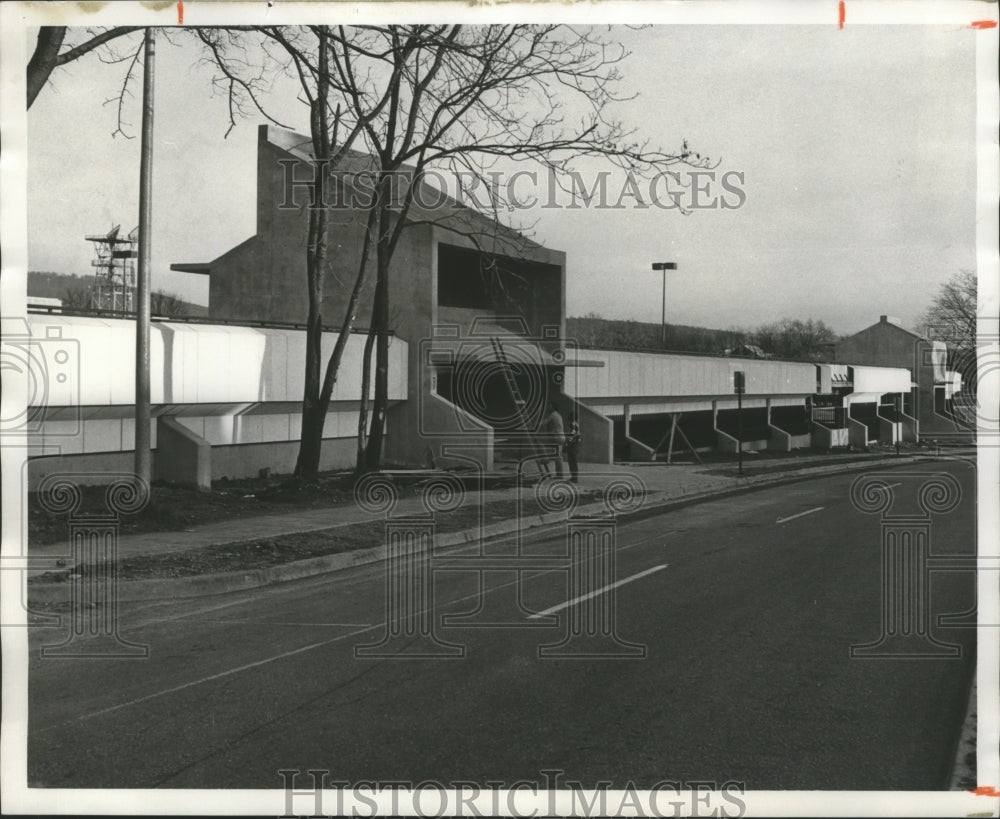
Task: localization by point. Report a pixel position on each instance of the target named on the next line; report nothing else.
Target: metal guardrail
(835, 417)
(117, 314)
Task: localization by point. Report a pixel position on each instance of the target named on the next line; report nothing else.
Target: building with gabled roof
(889, 344)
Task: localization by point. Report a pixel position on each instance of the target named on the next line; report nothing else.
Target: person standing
(554, 436)
(573, 450)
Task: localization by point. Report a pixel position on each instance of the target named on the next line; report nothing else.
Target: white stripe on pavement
(596, 592)
(800, 514)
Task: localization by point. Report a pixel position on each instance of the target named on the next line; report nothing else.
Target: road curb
(244, 580)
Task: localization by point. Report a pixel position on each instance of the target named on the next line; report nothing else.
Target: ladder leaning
(520, 404)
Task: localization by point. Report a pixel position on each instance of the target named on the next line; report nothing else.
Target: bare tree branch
(47, 57)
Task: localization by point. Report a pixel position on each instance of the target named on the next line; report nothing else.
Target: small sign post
(739, 387)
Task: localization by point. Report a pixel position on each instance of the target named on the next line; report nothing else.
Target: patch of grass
(174, 508)
(263, 553)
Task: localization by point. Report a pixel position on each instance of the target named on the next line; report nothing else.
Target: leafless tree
(952, 315)
(166, 304)
(52, 51)
(794, 338)
(952, 318)
(78, 298)
(414, 98)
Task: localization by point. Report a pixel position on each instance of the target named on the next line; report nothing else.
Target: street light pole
(664, 266)
(739, 387)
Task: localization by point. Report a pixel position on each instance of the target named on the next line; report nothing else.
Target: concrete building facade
(457, 280)
(226, 400)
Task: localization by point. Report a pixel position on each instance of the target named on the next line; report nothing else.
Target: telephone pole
(143, 451)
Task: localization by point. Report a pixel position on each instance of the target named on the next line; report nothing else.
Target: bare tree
(162, 303)
(304, 51)
(419, 97)
(794, 338)
(78, 298)
(51, 51)
(952, 317)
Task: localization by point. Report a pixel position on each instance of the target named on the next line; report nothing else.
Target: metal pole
(664, 266)
(143, 453)
(663, 314)
(897, 424)
(739, 430)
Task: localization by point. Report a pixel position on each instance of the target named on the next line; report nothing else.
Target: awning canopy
(201, 268)
(862, 398)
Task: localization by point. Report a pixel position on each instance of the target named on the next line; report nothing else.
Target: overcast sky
(857, 149)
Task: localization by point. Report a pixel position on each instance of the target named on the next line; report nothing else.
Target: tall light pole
(664, 266)
(143, 452)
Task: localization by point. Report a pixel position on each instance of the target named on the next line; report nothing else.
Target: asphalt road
(746, 606)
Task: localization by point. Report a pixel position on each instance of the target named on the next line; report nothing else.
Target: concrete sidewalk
(662, 483)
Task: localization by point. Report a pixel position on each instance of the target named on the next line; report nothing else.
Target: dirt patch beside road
(175, 508)
(274, 551)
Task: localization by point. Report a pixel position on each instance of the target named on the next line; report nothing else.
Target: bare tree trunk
(311, 442)
(313, 413)
(43, 59)
(380, 325)
(366, 380)
(313, 409)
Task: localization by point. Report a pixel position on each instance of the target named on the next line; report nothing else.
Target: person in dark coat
(572, 450)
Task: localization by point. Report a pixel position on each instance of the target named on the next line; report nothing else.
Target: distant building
(44, 302)
(889, 344)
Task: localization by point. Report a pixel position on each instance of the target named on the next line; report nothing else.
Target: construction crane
(114, 277)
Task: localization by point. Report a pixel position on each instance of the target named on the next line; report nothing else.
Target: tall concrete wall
(233, 462)
(265, 276)
(203, 364)
(230, 386)
(627, 374)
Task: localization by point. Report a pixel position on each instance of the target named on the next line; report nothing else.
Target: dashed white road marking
(597, 592)
(800, 514)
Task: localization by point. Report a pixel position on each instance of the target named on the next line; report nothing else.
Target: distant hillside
(601, 332)
(71, 289)
(54, 285)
